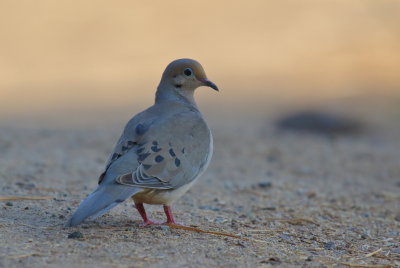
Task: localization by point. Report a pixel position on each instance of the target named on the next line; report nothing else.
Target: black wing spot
(183, 150)
(159, 158)
(143, 156)
(155, 149)
(155, 143)
(139, 151)
(172, 153)
(130, 144)
(177, 162)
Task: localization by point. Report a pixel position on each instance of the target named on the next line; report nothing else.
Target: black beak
(210, 84)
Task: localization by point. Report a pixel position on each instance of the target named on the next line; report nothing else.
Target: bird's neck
(169, 93)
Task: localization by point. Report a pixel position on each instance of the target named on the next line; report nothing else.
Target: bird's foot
(149, 222)
(172, 223)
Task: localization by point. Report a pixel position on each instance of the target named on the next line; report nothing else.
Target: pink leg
(142, 212)
(170, 217)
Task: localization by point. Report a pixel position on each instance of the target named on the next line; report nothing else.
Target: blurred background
(68, 63)
(306, 130)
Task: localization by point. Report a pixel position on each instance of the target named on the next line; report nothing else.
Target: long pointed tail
(104, 198)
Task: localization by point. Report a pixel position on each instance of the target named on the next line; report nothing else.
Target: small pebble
(61, 216)
(240, 244)
(10, 204)
(364, 236)
(311, 194)
(165, 228)
(329, 245)
(272, 158)
(264, 185)
(220, 220)
(269, 208)
(209, 208)
(25, 185)
(285, 237)
(397, 218)
(272, 261)
(75, 235)
(309, 258)
(365, 247)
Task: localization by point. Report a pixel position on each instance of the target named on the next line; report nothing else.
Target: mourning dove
(161, 152)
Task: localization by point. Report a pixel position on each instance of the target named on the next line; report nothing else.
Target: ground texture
(293, 199)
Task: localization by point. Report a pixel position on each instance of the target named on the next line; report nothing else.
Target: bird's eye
(188, 72)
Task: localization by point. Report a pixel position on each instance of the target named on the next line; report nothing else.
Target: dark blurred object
(264, 184)
(75, 235)
(25, 185)
(319, 122)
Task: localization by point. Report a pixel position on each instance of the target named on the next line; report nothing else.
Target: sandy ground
(294, 199)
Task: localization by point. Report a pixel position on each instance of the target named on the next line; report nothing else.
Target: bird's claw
(149, 222)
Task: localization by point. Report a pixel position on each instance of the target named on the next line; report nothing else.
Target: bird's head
(186, 75)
